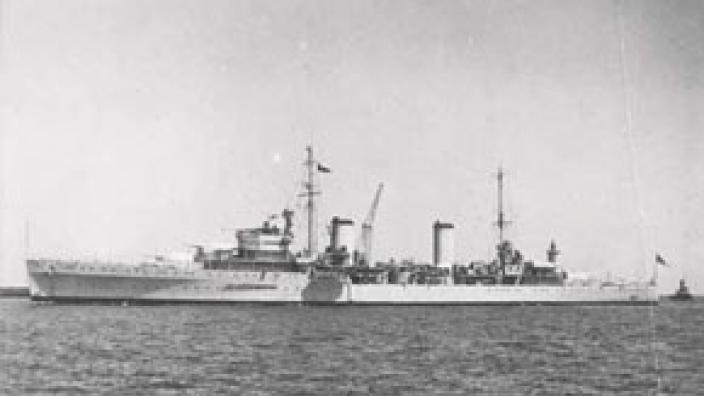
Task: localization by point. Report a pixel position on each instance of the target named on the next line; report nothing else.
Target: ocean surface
(261, 350)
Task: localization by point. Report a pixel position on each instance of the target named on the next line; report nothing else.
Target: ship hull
(65, 282)
(680, 298)
(95, 282)
(335, 292)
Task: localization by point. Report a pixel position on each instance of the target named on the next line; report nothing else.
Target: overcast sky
(136, 127)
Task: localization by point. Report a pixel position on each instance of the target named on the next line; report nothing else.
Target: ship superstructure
(508, 278)
(260, 267)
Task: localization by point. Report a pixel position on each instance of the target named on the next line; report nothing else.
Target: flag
(660, 260)
(322, 168)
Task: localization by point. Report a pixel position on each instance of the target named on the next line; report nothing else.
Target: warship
(261, 266)
(682, 293)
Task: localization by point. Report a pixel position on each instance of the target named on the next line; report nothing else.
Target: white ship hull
(51, 280)
(95, 282)
(331, 291)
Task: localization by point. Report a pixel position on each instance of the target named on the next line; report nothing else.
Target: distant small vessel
(682, 294)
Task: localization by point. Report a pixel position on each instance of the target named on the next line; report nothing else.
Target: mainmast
(309, 193)
(503, 249)
(501, 221)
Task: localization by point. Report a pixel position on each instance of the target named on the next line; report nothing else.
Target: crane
(367, 224)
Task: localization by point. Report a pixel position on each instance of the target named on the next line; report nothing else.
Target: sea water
(261, 350)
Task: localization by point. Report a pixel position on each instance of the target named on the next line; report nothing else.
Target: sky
(133, 128)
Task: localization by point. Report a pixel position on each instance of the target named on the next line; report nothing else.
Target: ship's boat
(261, 267)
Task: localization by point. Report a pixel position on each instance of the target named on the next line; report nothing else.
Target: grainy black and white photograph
(368, 197)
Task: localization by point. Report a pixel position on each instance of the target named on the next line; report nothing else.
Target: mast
(501, 222)
(310, 203)
(503, 249)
